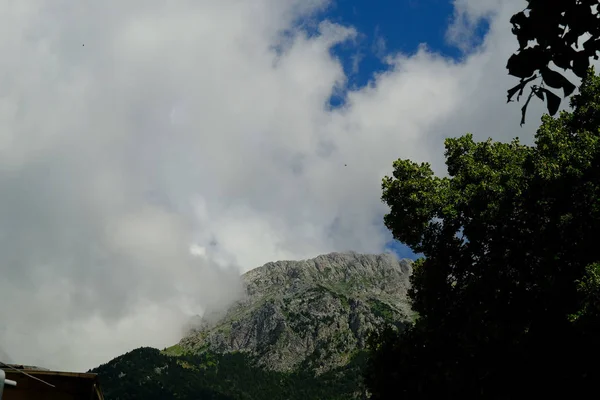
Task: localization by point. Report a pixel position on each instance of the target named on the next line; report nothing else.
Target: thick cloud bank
(132, 132)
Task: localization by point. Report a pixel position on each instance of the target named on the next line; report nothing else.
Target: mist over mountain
(300, 331)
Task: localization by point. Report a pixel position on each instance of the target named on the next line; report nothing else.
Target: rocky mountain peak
(317, 313)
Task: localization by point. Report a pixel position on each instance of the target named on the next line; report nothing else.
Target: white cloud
(468, 15)
(133, 130)
(379, 45)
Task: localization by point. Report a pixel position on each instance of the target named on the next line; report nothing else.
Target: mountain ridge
(299, 332)
(316, 312)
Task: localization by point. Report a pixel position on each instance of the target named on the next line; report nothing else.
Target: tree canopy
(508, 290)
(548, 32)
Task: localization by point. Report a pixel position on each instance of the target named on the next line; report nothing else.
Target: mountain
(312, 314)
(299, 332)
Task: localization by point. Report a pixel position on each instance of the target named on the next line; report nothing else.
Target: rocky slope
(312, 314)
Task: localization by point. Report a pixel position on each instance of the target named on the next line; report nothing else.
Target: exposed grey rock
(313, 313)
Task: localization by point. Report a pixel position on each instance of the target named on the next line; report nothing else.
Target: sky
(153, 150)
(392, 26)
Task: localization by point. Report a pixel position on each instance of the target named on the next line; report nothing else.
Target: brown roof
(67, 385)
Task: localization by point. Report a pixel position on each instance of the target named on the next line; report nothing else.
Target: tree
(549, 31)
(508, 290)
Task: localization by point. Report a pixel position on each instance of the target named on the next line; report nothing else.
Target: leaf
(524, 64)
(590, 45)
(521, 27)
(523, 40)
(519, 19)
(519, 88)
(571, 37)
(539, 93)
(581, 63)
(514, 90)
(562, 60)
(524, 108)
(557, 81)
(595, 47)
(552, 78)
(568, 88)
(552, 100)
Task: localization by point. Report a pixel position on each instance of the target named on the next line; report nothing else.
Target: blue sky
(385, 27)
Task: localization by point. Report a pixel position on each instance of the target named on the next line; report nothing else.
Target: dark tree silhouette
(548, 32)
(508, 291)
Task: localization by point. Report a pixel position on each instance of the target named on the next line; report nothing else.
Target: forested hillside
(147, 373)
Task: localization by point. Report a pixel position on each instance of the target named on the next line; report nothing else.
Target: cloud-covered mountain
(134, 130)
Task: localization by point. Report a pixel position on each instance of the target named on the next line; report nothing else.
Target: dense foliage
(148, 374)
(549, 31)
(508, 290)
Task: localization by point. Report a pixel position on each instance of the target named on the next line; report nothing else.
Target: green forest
(147, 373)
